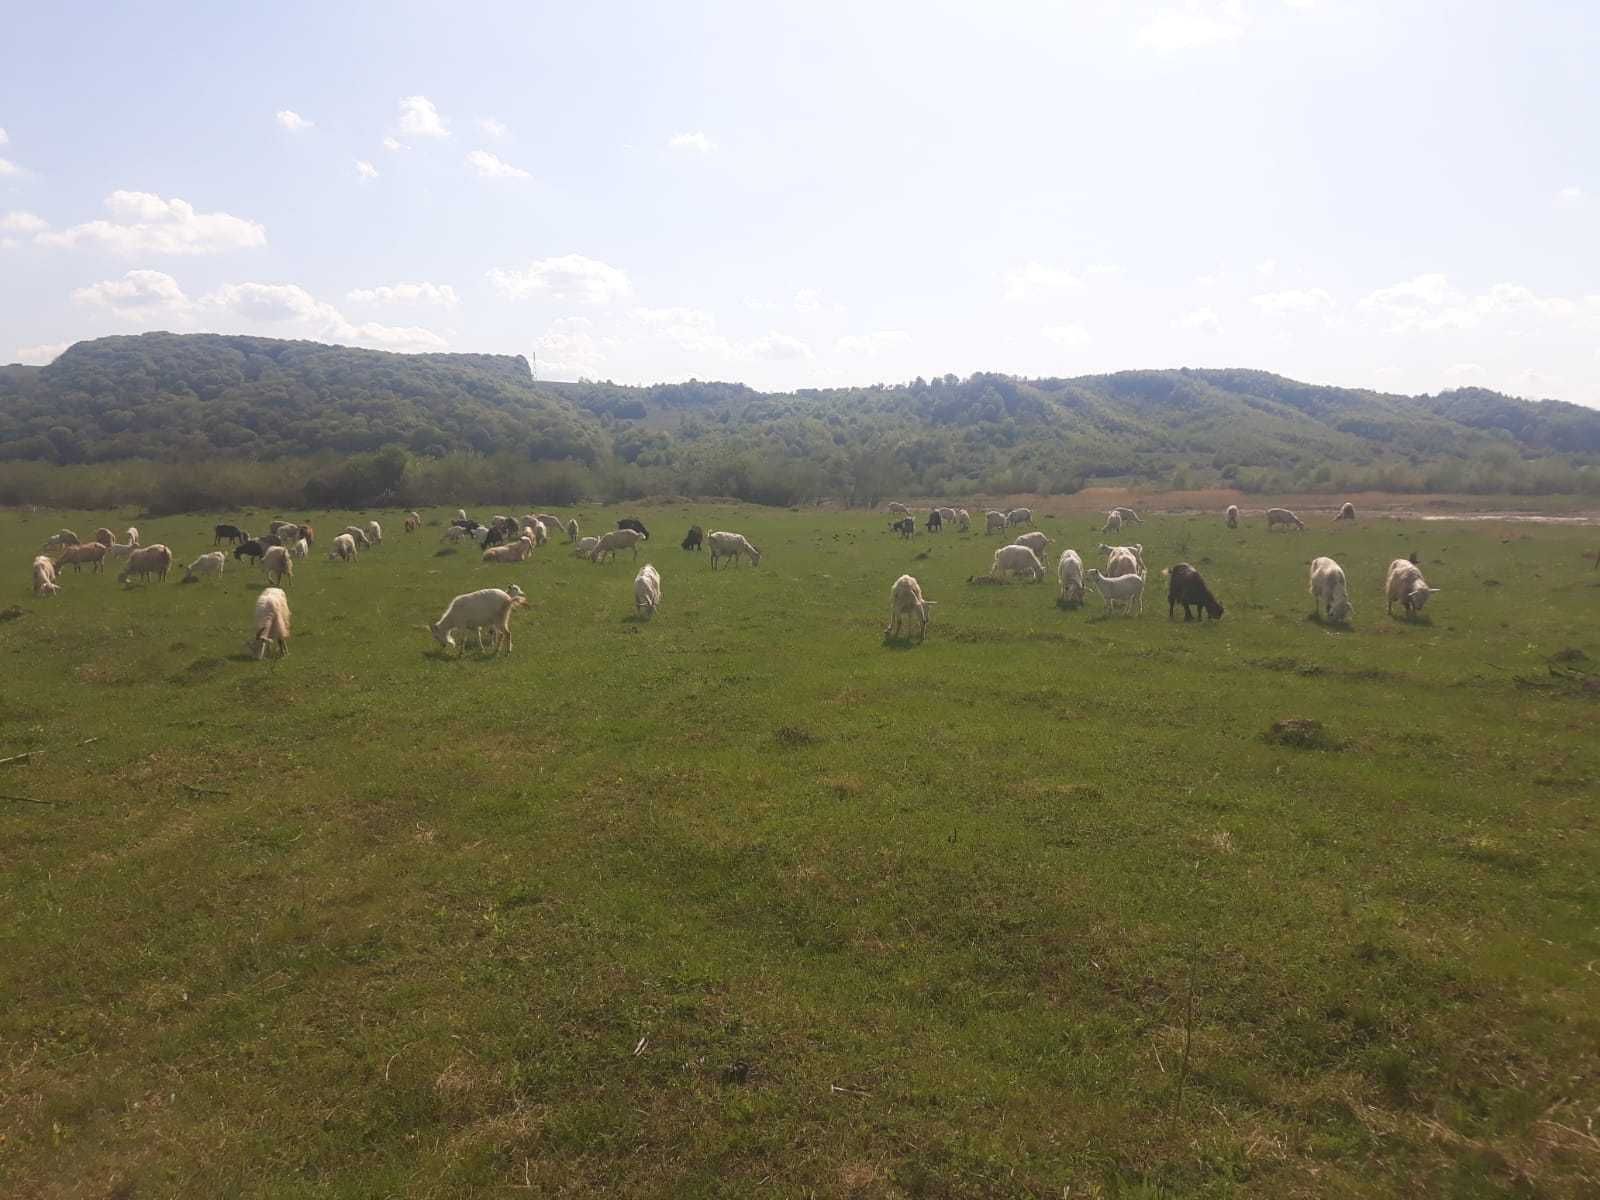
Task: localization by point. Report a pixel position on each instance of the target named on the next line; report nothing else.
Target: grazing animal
(252, 549)
(1016, 559)
(1121, 562)
(1186, 587)
(210, 563)
(281, 529)
(374, 533)
(935, 521)
(103, 536)
(358, 535)
(693, 539)
(905, 526)
(617, 539)
(1019, 516)
(731, 545)
(457, 533)
(300, 549)
(553, 524)
(1127, 514)
(413, 522)
(1035, 541)
(93, 553)
(269, 539)
(994, 522)
(228, 533)
(636, 525)
(646, 591)
(278, 565)
(1282, 516)
(271, 624)
(1328, 590)
(1126, 591)
(963, 520)
(1135, 552)
(572, 530)
(487, 608)
(1233, 516)
(463, 524)
(309, 533)
(120, 549)
(513, 552)
(461, 514)
(1113, 522)
(1347, 512)
(947, 516)
(133, 535)
(905, 602)
(1406, 584)
(896, 507)
(44, 576)
(62, 537)
(1069, 573)
(585, 546)
(540, 531)
(149, 560)
(344, 549)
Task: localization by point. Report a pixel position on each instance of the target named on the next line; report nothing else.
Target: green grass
(371, 920)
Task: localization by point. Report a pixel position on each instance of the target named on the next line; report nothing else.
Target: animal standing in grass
(1347, 512)
(44, 576)
(271, 624)
(209, 563)
(344, 549)
(1034, 540)
(277, 564)
(646, 591)
(1113, 522)
(1186, 587)
(413, 522)
(636, 525)
(906, 527)
(1069, 574)
(1329, 592)
(1406, 584)
(487, 608)
(935, 521)
(150, 560)
(1119, 591)
(732, 545)
(1129, 517)
(994, 521)
(1233, 516)
(251, 548)
(1016, 560)
(693, 539)
(907, 604)
(1019, 516)
(93, 553)
(1282, 516)
(618, 539)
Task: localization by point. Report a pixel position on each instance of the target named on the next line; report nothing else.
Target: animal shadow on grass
(1330, 626)
(1068, 605)
(1422, 619)
(904, 642)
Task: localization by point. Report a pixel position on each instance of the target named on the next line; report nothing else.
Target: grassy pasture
(744, 901)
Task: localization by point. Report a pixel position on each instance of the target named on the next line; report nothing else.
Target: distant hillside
(235, 401)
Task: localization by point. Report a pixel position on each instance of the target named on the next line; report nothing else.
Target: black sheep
(1185, 587)
(691, 540)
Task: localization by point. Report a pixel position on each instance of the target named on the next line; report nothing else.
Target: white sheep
(1016, 559)
(277, 564)
(271, 623)
(731, 545)
(1328, 590)
(1113, 522)
(646, 591)
(994, 522)
(1035, 541)
(374, 533)
(905, 602)
(1233, 516)
(617, 539)
(300, 549)
(44, 576)
(1124, 590)
(149, 560)
(210, 563)
(344, 549)
(486, 608)
(585, 546)
(1069, 573)
(1282, 516)
(1019, 516)
(1406, 584)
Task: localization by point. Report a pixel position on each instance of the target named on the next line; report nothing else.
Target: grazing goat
(1113, 522)
(1124, 590)
(150, 560)
(271, 624)
(44, 576)
(1069, 573)
(935, 521)
(344, 549)
(896, 507)
(251, 549)
(693, 539)
(541, 532)
(947, 516)
(1127, 514)
(413, 522)
(1328, 590)
(210, 563)
(358, 535)
(585, 546)
(1035, 541)
(300, 549)
(103, 536)
(1282, 516)
(228, 533)
(646, 591)
(905, 602)
(457, 533)
(1186, 587)
(1016, 559)
(1019, 516)
(1233, 516)
(487, 608)
(133, 535)
(515, 552)
(994, 522)
(374, 533)
(905, 526)
(572, 530)
(731, 545)
(278, 565)
(1406, 584)
(1347, 512)
(552, 523)
(62, 537)
(1122, 560)
(636, 525)
(461, 514)
(617, 539)
(93, 553)
(120, 549)
(963, 520)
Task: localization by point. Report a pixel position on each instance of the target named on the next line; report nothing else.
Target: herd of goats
(509, 540)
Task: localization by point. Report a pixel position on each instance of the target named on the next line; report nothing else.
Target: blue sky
(1397, 195)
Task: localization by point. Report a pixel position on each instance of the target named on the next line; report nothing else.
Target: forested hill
(206, 397)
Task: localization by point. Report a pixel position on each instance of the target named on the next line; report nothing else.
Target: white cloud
(441, 294)
(489, 166)
(1429, 303)
(568, 350)
(7, 167)
(144, 297)
(4, 136)
(1462, 373)
(1068, 337)
(1570, 197)
(293, 121)
(1293, 301)
(1035, 281)
(1267, 268)
(1192, 25)
(365, 169)
(777, 346)
(290, 305)
(692, 330)
(808, 300)
(695, 142)
(492, 128)
(570, 276)
(1205, 320)
(419, 118)
(17, 221)
(394, 143)
(144, 223)
(876, 342)
(43, 354)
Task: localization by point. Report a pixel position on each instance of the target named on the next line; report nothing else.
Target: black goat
(935, 521)
(251, 549)
(1185, 587)
(905, 526)
(228, 533)
(636, 525)
(691, 540)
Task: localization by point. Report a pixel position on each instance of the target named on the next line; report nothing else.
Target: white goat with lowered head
(906, 602)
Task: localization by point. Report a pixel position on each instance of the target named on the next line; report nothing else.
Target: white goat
(617, 539)
(1124, 590)
(300, 549)
(896, 507)
(731, 545)
(1347, 512)
(207, 564)
(1406, 584)
(1113, 522)
(271, 623)
(1019, 516)
(344, 549)
(1035, 541)
(512, 552)
(358, 535)
(1328, 590)
(1282, 516)
(585, 546)
(1127, 514)
(149, 560)
(374, 533)
(413, 522)
(487, 608)
(905, 602)
(1069, 573)
(963, 520)
(133, 535)
(277, 564)
(44, 576)
(646, 591)
(1016, 559)
(994, 521)
(1233, 516)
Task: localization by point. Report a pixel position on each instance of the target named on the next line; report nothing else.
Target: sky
(1398, 195)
